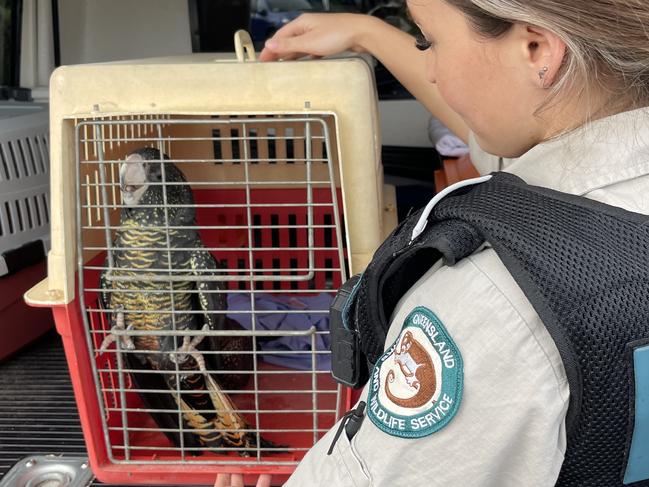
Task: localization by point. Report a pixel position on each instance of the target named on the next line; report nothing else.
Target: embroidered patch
(416, 385)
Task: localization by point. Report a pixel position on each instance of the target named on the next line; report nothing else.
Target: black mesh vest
(584, 267)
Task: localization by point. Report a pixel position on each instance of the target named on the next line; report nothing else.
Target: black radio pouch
(348, 362)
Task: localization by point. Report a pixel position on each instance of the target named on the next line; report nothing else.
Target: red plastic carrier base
(164, 467)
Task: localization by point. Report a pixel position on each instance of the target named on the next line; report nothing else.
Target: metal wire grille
(268, 209)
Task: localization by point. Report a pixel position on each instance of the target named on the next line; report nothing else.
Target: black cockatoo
(146, 245)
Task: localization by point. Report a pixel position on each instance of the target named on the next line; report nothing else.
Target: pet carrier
(24, 220)
(272, 168)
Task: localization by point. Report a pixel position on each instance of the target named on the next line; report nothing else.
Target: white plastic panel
(24, 176)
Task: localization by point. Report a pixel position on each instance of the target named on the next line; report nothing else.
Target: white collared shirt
(509, 430)
(605, 160)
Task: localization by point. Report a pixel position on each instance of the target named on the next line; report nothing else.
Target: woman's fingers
(281, 48)
(229, 480)
(267, 55)
(236, 480)
(282, 44)
(222, 480)
(312, 35)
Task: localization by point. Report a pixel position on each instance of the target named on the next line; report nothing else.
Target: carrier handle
(243, 45)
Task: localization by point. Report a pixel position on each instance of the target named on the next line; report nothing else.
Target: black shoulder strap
(397, 265)
(583, 265)
(547, 240)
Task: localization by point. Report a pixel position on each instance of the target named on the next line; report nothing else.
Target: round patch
(416, 385)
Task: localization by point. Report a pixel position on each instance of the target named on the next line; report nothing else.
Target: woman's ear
(543, 52)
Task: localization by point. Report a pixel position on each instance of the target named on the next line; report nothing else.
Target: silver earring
(543, 72)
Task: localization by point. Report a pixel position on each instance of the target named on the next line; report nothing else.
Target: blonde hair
(607, 42)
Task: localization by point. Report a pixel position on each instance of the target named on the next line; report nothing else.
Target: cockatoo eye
(154, 172)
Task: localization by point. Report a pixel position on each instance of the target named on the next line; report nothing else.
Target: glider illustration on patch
(416, 385)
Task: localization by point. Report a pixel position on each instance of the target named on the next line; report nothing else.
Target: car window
(289, 5)
(337, 5)
(268, 16)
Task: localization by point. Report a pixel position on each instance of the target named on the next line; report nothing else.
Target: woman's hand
(318, 35)
(236, 480)
(327, 34)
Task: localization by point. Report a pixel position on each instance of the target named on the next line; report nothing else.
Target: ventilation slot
(236, 146)
(292, 231)
(40, 149)
(254, 145)
(46, 207)
(24, 161)
(4, 165)
(218, 150)
(328, 230)
(272, 146)
(36, 168)
(290, 145)
(19, 215)
(28, 213)
(256, 231)
(10, 155)
(9, 218)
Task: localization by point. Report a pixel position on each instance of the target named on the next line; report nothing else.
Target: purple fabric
(314, 312)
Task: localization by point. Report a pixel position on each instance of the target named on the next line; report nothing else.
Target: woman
(554, 92)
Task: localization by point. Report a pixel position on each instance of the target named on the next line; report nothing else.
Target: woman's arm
(328, 34)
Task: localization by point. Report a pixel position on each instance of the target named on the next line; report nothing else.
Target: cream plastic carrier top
(99, 112)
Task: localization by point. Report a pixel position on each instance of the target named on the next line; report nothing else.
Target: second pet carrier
(203, 215)
(24, 220)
